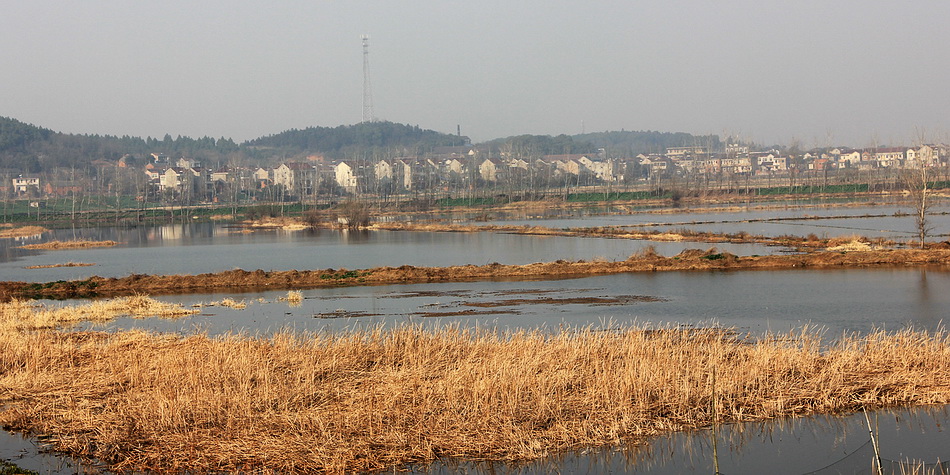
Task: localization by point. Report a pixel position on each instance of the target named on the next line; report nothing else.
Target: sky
(819, 73)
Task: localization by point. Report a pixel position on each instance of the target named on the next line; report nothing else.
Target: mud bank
(242, 280)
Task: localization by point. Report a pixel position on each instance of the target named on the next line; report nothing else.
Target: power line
(367, 87)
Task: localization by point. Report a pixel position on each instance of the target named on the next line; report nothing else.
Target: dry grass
(230, 303)
(374, 399)
(65, 264)
(76, 244)
(23, 231)
(294, 298)
(22, 315)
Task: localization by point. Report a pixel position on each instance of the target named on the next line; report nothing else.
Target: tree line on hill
(29, 149)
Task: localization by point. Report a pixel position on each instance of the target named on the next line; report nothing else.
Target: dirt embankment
(241, 280)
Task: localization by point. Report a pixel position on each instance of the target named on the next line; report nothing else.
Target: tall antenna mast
(367, 87)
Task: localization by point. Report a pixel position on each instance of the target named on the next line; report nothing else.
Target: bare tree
(916, 182)
(354, 214)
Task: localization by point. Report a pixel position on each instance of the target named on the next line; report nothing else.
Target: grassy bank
(371, 400)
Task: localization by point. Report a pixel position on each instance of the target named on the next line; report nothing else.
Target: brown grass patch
(23, 231)
(76, 244)
(375, 399)
(65, 264)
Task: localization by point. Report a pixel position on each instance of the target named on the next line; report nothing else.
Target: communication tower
(367, 87)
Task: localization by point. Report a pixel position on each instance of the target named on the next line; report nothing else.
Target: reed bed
(29, 315)
(377, 399)
(75, 244)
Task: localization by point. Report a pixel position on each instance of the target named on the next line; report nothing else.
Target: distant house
(889, 157)
(296, 178)
(657, 164)
(187, 163)
(179, 179)
(221, 174)
(770, 162)
(679, 151)
(847, 156)
(345, 173)
(24, 185)
(923, 156)
(383, 171)
(455, 166)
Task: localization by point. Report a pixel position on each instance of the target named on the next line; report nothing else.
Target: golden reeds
(368, 400)
(29, 315)
(294, 298)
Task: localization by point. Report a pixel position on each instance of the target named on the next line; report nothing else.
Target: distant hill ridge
(336, 141)
(27, 148)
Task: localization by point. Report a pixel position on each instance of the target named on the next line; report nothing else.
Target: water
(889, 221)
(792, 446)
(30, 454)
(207, 247)
(758, 302)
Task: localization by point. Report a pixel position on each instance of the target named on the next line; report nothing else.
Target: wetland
(554, 341)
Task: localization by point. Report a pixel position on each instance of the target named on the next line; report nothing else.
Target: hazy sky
(849, 72)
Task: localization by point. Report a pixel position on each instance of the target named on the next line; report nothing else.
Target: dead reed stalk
(372, 399)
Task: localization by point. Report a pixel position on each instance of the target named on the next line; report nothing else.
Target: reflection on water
(28, 454)
(787, 446)
(841, 300)
(195, 248)
(892, 221)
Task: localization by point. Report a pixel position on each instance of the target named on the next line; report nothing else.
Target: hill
(341, 140)
(26, 148)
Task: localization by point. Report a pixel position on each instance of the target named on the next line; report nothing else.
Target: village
(462, 169)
